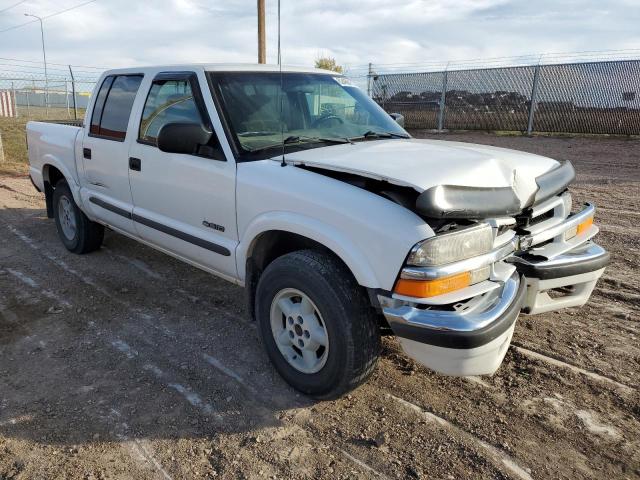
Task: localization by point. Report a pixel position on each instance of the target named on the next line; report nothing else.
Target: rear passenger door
(105, 190)
(184, 204)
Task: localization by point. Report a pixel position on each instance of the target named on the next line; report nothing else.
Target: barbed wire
(547, 58)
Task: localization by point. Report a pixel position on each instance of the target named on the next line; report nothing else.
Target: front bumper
(470, 341)
(564, 281)
(471, 336)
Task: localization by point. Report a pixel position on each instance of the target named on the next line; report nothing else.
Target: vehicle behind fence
(589, 97)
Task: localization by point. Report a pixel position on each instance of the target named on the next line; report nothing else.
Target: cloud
(124, 32)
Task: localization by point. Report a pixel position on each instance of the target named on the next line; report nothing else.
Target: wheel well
(51, 176)
(266, 248)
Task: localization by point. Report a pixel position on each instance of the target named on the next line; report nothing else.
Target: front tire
(77, 232)
(316, 324)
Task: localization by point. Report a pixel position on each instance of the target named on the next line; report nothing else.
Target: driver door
(183, 204)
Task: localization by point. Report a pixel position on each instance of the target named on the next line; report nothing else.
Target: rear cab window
(113, 105)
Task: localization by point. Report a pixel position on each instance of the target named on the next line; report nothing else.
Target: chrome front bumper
(471, 335)
(470, 339)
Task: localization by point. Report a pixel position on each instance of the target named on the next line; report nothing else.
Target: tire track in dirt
(165, 330)
(138, 449)
(171, 279)
(187, 392)
(92, 282)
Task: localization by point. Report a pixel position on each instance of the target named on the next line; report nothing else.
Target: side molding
(200, 242)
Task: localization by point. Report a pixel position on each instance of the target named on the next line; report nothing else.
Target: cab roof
(219, 67)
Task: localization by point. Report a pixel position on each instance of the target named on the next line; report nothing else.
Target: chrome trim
(533, 239)
(457, 201)
(586, 252)
(545, 206)
(479, 312)
(431, 273)
(554, 181)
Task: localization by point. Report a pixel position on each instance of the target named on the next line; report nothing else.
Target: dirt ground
(126, 363)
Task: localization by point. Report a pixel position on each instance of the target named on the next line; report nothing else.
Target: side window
(169, 101)
(173, 101)
(99, 105)
(111, 114)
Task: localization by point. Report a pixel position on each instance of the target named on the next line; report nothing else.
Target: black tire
(88, 235)
(349, 319)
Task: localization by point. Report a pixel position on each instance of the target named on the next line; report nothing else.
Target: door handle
(135, 164)
(86, 153)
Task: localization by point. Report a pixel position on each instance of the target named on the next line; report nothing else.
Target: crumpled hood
(422, 164)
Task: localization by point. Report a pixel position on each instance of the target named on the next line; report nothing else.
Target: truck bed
(52, 143)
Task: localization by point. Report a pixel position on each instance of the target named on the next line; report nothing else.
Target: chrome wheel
(299, 331)
(67, 217)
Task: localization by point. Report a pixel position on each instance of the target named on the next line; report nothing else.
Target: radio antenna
(284, 163)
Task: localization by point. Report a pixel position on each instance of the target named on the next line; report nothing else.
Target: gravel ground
(126, 363)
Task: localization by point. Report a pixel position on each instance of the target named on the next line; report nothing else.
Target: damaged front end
(457, 298)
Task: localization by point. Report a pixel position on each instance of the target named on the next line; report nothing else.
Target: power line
(11, 6)
(51, 63)
(49, 16)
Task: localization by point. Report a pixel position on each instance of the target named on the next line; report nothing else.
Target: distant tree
(328, 63)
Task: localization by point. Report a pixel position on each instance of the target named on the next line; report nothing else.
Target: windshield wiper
(299, 139)
(373, 134)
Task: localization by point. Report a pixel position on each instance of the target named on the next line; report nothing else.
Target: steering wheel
(325, 118)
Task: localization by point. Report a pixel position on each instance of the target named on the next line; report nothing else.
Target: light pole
(44, 58)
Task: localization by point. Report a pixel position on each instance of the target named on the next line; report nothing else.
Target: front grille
(542, 217)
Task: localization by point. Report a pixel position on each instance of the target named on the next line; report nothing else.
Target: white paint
(477, 381)
(187, 392)
(149, 455)
(573, 368)
(134, 262)
(124, 348)
(594, 426)
(32, 244)
(422, 164)
(361, 464)
(192, 397)
(33, 284)
(153, 369)
(494, 453)
(136, 446)
(227, 371)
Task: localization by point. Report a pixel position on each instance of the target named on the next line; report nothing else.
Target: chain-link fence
(590, 97)
(26, 93)
(58, 93)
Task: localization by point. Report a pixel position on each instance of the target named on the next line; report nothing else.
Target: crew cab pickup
(339, 224)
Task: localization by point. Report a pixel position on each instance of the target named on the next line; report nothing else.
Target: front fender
(313, 229)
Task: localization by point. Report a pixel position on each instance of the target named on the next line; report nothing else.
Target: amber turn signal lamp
(586, 225)
(431, 288)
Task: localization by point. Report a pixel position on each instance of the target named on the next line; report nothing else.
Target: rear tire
(77, 232)
(323, 289)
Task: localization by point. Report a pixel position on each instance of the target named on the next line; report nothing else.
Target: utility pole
(262, 44)
(44, 58)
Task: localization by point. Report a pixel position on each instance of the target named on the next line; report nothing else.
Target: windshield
(317, 110)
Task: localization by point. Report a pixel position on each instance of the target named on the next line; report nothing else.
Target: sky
(117, 33)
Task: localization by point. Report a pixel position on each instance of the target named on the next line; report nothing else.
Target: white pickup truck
(340, 226)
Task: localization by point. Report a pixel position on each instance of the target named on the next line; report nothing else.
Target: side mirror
(398, 117)
(183, 137)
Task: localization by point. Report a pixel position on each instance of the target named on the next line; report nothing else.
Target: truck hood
(424, 164)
